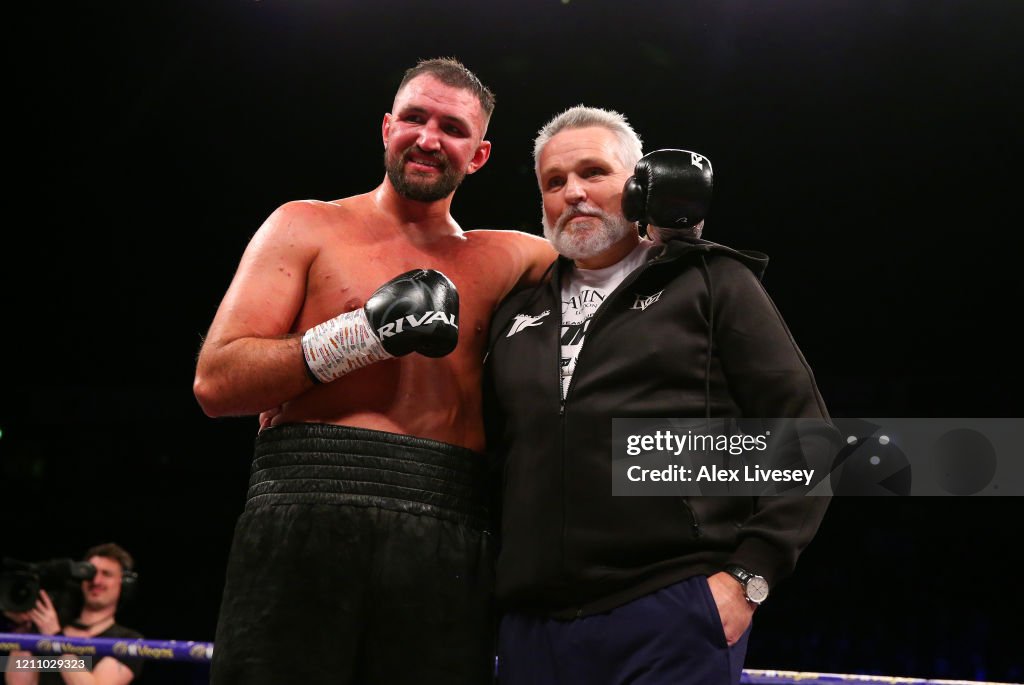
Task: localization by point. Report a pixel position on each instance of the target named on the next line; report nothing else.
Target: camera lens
(18, 591)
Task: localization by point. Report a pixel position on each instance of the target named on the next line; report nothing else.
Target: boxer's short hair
(454, 73)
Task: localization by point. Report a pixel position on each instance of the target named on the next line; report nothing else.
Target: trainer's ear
(480, 157)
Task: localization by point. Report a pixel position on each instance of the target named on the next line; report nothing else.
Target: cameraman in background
(101, 595)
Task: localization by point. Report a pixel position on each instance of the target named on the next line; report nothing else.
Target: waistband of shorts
(314, 463)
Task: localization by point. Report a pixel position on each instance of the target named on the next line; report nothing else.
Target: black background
(872, 148)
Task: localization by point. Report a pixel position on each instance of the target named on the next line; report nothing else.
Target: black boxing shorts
(361, 557)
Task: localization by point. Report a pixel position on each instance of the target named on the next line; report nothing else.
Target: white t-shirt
(583, 291)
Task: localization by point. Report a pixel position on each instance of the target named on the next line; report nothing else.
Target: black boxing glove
(417, 311)
(669, 189)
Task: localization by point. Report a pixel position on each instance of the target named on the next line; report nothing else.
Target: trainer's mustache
(579, 210)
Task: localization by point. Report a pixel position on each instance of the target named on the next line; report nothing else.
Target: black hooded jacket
(692, 333)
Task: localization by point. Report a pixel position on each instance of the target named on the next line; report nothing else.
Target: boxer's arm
(536, 255)
(249, 360)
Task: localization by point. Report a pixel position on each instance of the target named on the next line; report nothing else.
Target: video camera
(21, 581)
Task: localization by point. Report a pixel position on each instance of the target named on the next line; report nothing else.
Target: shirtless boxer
(363, 553)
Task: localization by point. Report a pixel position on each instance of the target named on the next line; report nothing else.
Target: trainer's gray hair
(631, 148)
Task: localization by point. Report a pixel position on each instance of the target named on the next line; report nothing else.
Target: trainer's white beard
(582, 241)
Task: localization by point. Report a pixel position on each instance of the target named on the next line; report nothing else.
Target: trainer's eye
(593, 171)
(555, 182)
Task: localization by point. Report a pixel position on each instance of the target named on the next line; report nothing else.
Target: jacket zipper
(628, 281)
(557, 286)
(694, 523)
(563, 399)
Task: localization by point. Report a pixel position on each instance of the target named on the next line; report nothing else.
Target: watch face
(757, 589)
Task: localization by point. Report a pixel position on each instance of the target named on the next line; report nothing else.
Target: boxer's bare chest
(415, 395)
(343, 276)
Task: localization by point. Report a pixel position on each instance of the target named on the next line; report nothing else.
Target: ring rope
(176, 650)
(160, 650)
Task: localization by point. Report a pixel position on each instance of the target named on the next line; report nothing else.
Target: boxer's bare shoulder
(513, 241)
(521, 256)
(311, 222)
(269, 286)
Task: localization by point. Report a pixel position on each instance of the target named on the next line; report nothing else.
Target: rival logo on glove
(396, 327)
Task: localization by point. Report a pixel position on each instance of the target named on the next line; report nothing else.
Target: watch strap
(743, 576)
(739, 573)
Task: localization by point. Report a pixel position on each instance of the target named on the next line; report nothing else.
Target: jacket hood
(757, 262)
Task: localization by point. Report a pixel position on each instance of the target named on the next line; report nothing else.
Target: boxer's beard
(422, 188)
(587, 239)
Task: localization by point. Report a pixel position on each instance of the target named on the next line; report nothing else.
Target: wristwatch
(754, 586)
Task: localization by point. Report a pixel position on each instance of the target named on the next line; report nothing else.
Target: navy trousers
(672, 636)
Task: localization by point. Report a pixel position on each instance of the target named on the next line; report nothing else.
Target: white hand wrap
(341, 345)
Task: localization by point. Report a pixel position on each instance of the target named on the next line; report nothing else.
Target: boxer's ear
(480, 157)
